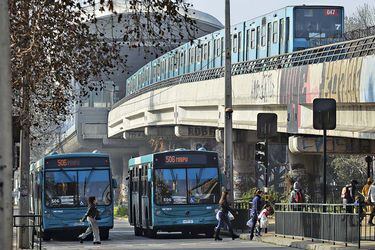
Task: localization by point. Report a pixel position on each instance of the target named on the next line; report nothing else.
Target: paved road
(122, 237)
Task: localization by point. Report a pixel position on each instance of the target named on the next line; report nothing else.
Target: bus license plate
(187, 221)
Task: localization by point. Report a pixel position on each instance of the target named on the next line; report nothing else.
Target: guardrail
(34, 221)
(328, 53)
(326, 222)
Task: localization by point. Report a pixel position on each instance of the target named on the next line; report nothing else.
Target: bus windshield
(187, 186)
(313, 23)
(72, 188)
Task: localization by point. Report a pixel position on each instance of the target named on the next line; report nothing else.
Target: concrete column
(117, 169)
(307, 169)
(122, 187)
(244, 168)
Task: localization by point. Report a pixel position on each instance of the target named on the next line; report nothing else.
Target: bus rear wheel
(104, 234)
(152, 233)
(137, 231)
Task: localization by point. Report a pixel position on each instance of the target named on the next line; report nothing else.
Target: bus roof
(40, 163)
(74, 155)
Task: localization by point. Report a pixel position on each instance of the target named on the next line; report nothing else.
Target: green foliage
(121, 211)
(344, 168)
(272, 197)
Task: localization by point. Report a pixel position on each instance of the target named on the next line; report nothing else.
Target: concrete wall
(288, 92)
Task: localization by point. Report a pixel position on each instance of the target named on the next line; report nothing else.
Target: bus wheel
(104, 234)
(137, 231)
(152, 233)
(46, 236)
(209, 233)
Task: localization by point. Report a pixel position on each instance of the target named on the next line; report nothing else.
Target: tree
(362, 18)
(344, 168)
(59, 54)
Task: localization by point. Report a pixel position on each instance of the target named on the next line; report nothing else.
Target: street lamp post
(228, 139)
(6, 166)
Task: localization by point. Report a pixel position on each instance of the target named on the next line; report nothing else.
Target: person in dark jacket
(223, 217)
(256, 207)
(91, 215)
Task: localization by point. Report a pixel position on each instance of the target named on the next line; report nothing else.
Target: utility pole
(228, 139)
(6, 139)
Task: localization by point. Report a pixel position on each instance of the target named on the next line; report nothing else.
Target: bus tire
(46, 236)
(152, 233)
(104, 234)
(137, 231)
(209, 233)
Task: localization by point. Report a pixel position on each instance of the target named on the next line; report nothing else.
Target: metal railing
(328, 53)
(34, 221)
(333, 223)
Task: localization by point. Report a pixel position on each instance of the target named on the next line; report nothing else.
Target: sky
(242, 10)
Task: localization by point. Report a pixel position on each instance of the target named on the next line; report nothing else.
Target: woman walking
(91, 215)
(224, 217)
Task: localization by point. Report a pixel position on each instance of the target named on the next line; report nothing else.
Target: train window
(198, 50)
(192, 55)
(235, 43)
(263, 36)
(274, 32)
(182, 59)
(248, 39)
(205, 52)
(208, 50)
(175, 64)
(218, 47)
(252, 39)
(282, 30)
(239, 41)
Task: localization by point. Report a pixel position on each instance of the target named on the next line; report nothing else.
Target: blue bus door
(257, 45)
(269, 39)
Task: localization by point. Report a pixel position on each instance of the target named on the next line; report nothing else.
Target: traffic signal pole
(228, 139)
(6, 166)
(266, 166)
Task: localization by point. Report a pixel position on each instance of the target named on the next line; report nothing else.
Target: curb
(296, 243)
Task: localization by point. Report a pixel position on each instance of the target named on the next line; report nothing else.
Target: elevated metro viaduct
(189, 109)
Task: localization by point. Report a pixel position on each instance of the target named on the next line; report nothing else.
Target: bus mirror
(114, 183)
(149, 174)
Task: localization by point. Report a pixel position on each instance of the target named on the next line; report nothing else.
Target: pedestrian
(359, 207)
(223, 216)
(263, 219)
(371, 200)
(365, 190)
(296, 196)
(256, 206)
(366, 187)
(92, 215)
(348, 195)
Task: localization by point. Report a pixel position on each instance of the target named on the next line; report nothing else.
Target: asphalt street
(122, 237)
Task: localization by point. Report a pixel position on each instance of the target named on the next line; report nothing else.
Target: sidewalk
(270, 238)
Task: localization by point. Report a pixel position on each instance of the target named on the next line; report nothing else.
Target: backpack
(345, 194)
(298, 197)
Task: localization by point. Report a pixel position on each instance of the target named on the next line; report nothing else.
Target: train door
(269, 30)
(281, 36)
(257, 45)
(287, 31)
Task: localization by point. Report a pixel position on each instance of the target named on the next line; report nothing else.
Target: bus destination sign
(182, 159)
(76, 162)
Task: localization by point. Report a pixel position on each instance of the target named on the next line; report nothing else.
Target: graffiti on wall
(368, 79)
(264, 86)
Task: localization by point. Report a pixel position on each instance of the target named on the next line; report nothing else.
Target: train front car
(317, 25)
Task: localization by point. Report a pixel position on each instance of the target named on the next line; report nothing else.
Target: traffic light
(261, 152)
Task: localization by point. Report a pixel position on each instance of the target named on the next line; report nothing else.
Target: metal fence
(34, 222)
(327, 222)
(328, 53)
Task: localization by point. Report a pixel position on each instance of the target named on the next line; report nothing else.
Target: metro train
(282, 31)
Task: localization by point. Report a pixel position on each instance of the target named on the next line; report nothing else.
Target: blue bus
(60, 187)
(281, 31)
(174, 191)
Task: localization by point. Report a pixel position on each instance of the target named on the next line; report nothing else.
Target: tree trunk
(23, 240)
